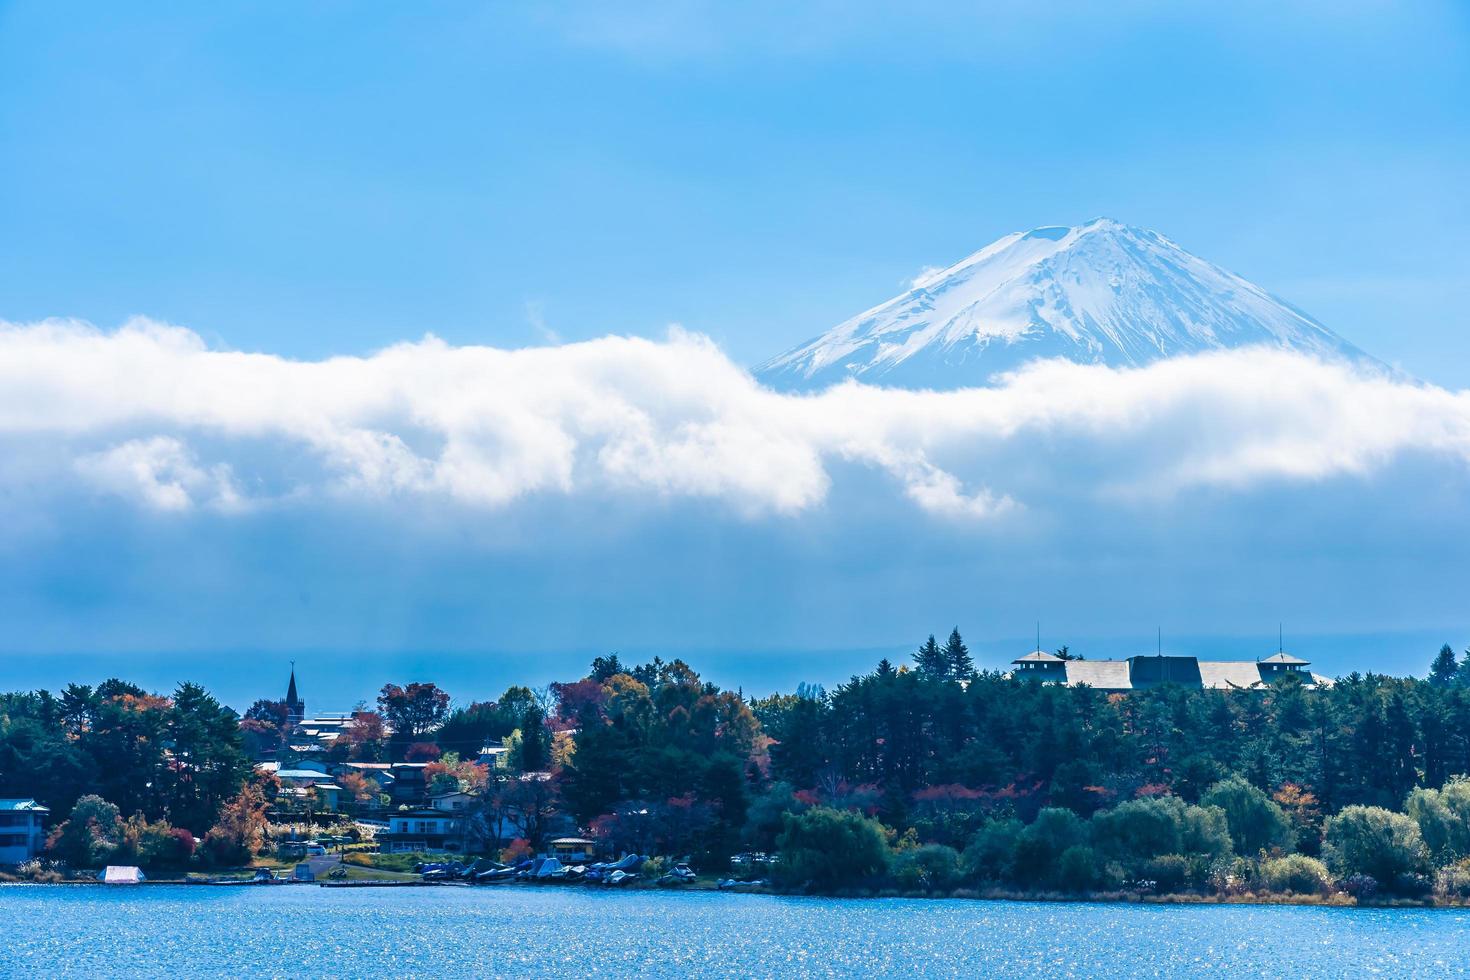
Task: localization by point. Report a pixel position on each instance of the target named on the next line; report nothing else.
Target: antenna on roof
(1038, 634)
(1280, 638)
(1161, 641)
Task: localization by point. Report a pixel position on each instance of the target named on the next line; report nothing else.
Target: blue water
(307, 931)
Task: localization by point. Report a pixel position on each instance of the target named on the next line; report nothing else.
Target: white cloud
(150, 413)
(162, 474)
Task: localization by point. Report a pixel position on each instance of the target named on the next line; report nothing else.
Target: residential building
(423, 829)
(1143, 672)
(22, 830)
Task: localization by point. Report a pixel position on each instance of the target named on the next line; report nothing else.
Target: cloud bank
(149, 413)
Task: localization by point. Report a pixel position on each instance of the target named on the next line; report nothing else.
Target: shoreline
(1336, 901)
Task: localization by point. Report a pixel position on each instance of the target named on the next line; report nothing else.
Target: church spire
(295, 710)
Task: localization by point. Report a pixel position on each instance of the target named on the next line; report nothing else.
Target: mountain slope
(1102, 292)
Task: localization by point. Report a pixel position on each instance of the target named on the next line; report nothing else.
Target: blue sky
(330, 178)
(309, 181)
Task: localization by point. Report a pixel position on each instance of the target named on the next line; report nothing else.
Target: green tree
(1256, 822)
(827, 850)
(207, 764)
(958, 664)
(1443, 819)
(1444, 671)
(88, 836)
(931, 661)
(1376, 842)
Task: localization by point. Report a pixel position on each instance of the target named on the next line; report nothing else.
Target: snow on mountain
(1102, 292)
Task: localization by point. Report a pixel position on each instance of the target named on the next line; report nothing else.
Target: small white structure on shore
(122, 874)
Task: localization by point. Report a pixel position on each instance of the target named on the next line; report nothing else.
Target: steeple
(295, 708)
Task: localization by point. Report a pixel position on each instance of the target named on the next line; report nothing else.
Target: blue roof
(31, 805)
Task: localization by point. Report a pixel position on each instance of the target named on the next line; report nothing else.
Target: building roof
(1229, 675)
(1285, 658)
(1039, 657)
(22, 806)
(573, 840)
(300, 774)
(1105, 675)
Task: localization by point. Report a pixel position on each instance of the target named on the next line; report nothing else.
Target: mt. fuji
(1102, 292)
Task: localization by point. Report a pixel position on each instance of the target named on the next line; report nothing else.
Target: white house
(22, 835)
(424, 829)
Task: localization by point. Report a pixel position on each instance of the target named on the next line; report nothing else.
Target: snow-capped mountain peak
(1101, 292)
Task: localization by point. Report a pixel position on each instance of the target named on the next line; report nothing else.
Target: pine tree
(885, 669)
(1442, 673)
(931, 661)
(957, 662)
(1462, 674)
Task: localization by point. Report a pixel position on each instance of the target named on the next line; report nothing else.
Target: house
(409, 787)
(494, 756)
(306, 780)
(1143, 672)
(423, 829)
(22, 834)
(455, 802)
(574, 850)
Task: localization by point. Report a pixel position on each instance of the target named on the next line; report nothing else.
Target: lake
(310, 931)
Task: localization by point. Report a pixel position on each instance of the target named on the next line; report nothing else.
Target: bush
(1296, 874)
(1360, 886)
(1078, 869)
(1041, 845)
(1256, 823)
(1454, 881)
(1443, 818)
(516, 851)
(933, 867)
(1168, 872)
(826, 849)
(1412, 885)
(88, 837)
(1138, 830)
(1230, 876)
(1373, 841)
(991, 855)
(359, 858)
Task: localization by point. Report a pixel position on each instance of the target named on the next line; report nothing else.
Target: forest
(928, 776)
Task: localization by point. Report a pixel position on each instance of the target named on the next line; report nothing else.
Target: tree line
(964, 777)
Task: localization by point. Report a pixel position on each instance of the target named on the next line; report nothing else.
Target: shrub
(1042, 842)
(88, 836)
(827, 849)
(516, 851)
(1168, 872)
(1138, 830)
(991, 855)
(359, 858)
(1230, 876)
(1256, 822)
(1296, 874)
(1454, 881)
(1078, 869)
(932, 867)
(1443, 818)
(1412, 885)
(1360, 886)
(1373, 841)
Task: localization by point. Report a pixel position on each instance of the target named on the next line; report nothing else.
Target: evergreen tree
(1462, 676)
(1444, 671)
(931, 660)
(957, 661)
